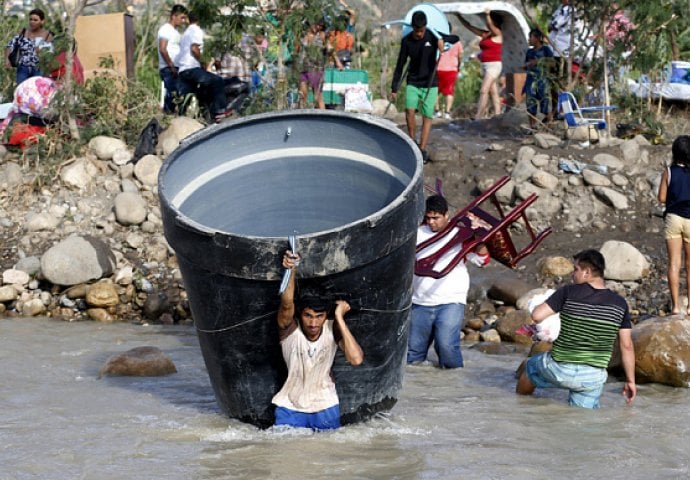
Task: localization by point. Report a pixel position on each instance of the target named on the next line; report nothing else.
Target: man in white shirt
(438, 304)
(168, 48)
(309, 341)
(208, 88)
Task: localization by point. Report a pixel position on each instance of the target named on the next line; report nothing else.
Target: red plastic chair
(496, 236)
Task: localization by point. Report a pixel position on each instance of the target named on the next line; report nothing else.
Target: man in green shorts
(592, 317)
(421, 47)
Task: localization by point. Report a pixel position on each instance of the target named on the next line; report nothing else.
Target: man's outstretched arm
(286, 312)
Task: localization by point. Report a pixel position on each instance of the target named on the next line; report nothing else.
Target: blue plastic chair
(576, 116)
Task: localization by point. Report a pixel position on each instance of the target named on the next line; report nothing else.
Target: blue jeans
(440, 323)
(208, 88)
(24, 72)
(584, 382)
(328, 419)
(170, 82)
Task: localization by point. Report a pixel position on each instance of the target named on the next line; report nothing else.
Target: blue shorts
(328, 419)
(584, 382)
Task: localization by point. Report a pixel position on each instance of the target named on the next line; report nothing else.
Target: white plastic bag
(357, 100)
(549, 328)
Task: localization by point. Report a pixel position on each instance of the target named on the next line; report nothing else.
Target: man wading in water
(308, 398)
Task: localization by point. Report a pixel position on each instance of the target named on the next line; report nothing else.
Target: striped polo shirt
(590, 320)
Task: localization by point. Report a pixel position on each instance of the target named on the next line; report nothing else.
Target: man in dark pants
(195, 79)
(422, 48)
(168, 48)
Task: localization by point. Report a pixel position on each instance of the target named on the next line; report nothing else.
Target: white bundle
(549, 328)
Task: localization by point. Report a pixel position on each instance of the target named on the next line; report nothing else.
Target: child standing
(537, 82)
(449, 65)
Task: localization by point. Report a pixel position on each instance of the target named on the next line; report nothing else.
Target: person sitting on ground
(168, 49)
(674, 192)
(491, 48)
(30, 43)
(592, 318)
(537, 89)
(195, 79)
(421, 46)
(449, 64)
(309, 341)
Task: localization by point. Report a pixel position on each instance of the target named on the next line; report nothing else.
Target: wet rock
(490, 335)
(33, 308)
(130, 208)
(509, 323)
(624, 262)
(155, 305)
(77, 260)
(662, 351)
(474, 323)
(102, 294)
(139, 362)
(471, 336)
(100, 315)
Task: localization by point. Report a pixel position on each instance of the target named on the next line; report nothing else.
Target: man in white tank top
(309, 342)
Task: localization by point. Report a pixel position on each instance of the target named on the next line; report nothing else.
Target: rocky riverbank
(88, 243)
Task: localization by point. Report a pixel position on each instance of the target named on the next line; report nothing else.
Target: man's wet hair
(536, 33)
(193, 17)
(593, 259)
(436, 203)
(418, 19)
(316, 302)
(680, 151)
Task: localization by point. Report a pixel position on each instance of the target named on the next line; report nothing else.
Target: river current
(59, 420)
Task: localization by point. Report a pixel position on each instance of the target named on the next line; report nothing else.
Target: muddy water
(58, 420)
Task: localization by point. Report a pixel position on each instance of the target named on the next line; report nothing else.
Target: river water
(58, 420)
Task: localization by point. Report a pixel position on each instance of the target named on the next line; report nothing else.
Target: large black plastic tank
(350, 187)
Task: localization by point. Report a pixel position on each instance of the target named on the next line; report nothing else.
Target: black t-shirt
(422, 54)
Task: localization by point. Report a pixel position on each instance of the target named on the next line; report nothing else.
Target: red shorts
(446, 82)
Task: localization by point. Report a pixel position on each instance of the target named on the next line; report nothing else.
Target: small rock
(140, 362)
(102, 294)
(130, 208)
(15, 277)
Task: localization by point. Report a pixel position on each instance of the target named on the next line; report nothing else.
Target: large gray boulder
(624, 262)
(77, 260)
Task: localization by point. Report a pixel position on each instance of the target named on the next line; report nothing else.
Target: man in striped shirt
(592, 316)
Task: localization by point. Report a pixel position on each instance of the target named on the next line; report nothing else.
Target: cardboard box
(101, 36)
